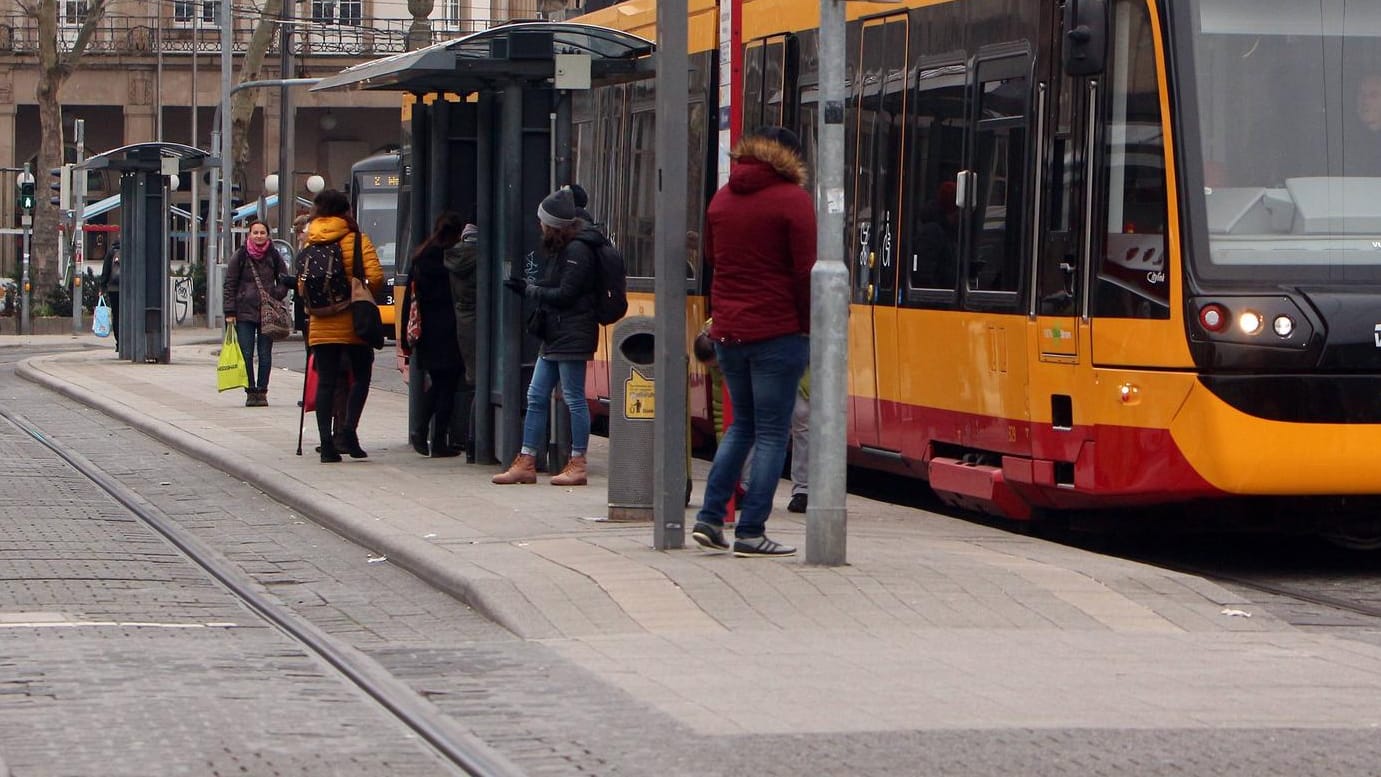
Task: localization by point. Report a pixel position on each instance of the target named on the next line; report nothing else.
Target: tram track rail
(1274, 589)
(451, 743)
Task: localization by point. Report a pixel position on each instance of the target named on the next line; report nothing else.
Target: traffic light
(63, 186)
(26, 192)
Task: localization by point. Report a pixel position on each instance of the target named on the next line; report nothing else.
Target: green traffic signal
(26, 196)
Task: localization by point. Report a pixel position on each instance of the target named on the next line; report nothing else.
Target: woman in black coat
(438, 349)
(256, 265)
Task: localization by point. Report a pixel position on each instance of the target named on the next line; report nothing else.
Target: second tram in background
(1104, 253)
(374, 187)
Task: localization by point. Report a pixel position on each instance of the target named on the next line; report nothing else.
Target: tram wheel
(1360, 534)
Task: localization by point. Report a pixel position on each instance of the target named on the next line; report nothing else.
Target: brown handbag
(364, 311)
(275, 322)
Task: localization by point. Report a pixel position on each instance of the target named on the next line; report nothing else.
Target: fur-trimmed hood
(762, 162)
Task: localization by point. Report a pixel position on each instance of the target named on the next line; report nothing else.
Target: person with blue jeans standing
(759, 239)
(564, 320)
(256, 268)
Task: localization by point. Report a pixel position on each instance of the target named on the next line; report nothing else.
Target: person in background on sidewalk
(332, 337)
(759, 238)
(254, 268)
(461, 260)
(438, 348)
(300, 323)
(565, 323)
(110, 287)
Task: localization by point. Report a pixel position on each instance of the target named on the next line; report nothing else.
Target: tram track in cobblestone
(450, 742)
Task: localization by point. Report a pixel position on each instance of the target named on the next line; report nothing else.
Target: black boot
(441, 446)
(419, 443)
(352, 446)
(329, 454)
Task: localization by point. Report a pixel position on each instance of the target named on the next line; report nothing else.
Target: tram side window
(752, 86)
(999, 161)
(637, 243)
(936, 141)
(1132, 281)
(695, 186)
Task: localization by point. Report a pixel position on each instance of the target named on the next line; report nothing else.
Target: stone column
(7, 159)
(140, 122)
(420, 33)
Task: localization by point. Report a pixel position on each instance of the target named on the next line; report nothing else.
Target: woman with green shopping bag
(230, 370)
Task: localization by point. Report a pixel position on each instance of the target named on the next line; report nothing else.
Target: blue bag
(100, 318)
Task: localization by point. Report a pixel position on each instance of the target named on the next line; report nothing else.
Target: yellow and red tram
(1103, 252)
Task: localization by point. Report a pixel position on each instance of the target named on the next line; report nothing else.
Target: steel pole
(26, 222)
(826, 515)
(78, 222)
(286, 128)
(194, 247)
(213, 238)
(669, 287)
(227, 147)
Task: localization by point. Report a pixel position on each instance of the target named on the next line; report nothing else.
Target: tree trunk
(43, 255)
(55, 67)
(242, 107)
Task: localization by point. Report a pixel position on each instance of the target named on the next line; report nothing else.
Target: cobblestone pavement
(704, 703)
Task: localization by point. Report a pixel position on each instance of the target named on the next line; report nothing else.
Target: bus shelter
(145, 305)
(490, 135)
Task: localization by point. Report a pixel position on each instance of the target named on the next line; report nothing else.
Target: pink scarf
(257, 251)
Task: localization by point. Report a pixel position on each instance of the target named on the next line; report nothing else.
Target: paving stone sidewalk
(935, 624)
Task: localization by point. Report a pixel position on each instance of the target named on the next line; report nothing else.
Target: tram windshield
(1289, 121)
(377, 212)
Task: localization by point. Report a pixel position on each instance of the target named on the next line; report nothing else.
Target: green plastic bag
(230, 371)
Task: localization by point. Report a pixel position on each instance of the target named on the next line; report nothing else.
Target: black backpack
(611, 282)
(325, 283)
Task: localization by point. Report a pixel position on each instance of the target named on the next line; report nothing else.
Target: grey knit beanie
(557, 210)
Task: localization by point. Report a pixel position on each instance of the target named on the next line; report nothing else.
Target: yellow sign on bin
(638, 396)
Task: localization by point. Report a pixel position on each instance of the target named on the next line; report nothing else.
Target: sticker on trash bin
(638, 400)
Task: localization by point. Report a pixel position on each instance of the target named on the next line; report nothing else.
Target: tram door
(878, 100)
(1066, 135)
(993, 193)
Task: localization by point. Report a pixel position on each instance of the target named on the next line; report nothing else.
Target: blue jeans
(544, 378)
(762, 379)
(248, 333)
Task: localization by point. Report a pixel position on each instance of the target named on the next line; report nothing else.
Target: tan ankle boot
(573, 474)
(523, 470)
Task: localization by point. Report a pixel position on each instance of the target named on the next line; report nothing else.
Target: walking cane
(302, 405)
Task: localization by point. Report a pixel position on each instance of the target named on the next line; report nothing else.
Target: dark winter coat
(110, 271)
(759, 239)
(461, 260)
(439, 349)
(566, 294)
(241, 294)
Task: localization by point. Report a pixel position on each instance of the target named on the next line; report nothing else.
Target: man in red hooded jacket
(759, 239)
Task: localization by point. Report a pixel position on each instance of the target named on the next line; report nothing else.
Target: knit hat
(557, 210)
(781, 136)
(579, 195)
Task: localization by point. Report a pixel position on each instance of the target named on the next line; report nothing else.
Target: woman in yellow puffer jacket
(332, 337)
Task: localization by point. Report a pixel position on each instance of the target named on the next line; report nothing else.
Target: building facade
(152, 72)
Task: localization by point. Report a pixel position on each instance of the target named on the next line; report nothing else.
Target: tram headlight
(1283, 326)
(1250, 322)
(1213, 317)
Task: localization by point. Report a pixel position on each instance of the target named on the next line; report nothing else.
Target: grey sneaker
(709, 537)
(761, 546)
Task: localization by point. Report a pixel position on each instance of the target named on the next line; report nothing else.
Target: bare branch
(94, 14)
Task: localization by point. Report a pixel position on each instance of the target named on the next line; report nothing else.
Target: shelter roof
(517, 51)
(148, 156)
